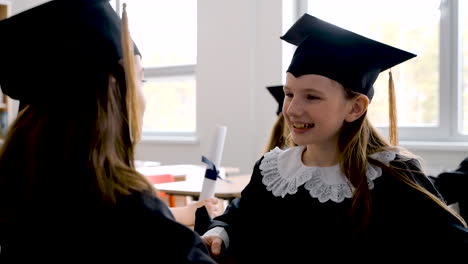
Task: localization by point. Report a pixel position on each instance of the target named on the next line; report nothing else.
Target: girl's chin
(301, 141)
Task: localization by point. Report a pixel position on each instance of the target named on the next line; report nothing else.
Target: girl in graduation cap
(344, 192)
(69, 190)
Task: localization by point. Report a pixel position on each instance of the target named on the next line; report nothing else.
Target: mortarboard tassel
(134, 121)
(393, 132)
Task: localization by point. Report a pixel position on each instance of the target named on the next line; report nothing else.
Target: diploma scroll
(213, 162)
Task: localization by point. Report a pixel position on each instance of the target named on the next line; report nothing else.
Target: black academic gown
(141, 228)
(406, 225)
(453, 185)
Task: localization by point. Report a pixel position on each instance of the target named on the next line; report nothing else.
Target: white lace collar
(283, 173)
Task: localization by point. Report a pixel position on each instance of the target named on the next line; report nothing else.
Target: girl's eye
(288, 94)
(311, 97)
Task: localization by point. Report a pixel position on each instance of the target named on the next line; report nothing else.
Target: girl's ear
(358, 108)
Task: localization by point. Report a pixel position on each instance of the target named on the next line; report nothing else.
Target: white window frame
(446, 135)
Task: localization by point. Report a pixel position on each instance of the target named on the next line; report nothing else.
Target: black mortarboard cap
(278, 93)
(53, 51)
(341, 55)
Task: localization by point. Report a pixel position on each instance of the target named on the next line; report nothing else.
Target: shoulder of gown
(407, 210)
(167, 240)
(412, 169)
(139, 227)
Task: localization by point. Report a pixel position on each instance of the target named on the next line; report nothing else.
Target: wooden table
(182, 172)
(225, 189)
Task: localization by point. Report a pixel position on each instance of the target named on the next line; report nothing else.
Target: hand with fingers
(186, 214)
(213, 206)
(214, 244)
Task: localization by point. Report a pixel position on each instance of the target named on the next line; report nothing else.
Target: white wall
(239, 53)
(436, 160)
(21, 5)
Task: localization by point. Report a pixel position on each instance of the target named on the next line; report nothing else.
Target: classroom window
(428, 87)
(166, 35)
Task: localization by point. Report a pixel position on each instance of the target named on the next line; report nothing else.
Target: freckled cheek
(287, 120)
(285, 112)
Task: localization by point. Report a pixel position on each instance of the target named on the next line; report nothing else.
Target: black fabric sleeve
(430, 221)
(171, 241)
(202, 220)
(417, 175)
(453, 185)
(234, 209)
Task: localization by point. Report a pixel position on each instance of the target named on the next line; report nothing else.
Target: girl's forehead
(310, 82)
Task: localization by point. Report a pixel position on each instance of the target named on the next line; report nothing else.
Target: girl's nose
(294, 108)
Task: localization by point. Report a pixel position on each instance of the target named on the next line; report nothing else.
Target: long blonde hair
(356, 142)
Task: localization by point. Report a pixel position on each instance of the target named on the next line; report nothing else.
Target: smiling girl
(344, 191)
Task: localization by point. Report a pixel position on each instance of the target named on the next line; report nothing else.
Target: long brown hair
(82, 151)
(113, 157)
(71, 154)
(358, 140)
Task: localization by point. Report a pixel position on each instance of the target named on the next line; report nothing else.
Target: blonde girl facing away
(69, 190)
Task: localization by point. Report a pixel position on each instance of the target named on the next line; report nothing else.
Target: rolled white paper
(216, 153)
(208, 189)
(217, 146)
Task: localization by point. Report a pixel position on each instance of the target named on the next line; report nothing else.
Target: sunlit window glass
(166, 35)
(417, 80)
(166, 31)
(170, 104)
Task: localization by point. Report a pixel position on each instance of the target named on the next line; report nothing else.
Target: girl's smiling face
(315, 108)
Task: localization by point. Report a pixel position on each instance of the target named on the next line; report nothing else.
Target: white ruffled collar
(283, 173)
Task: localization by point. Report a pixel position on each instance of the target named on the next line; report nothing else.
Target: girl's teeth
(304, 125)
